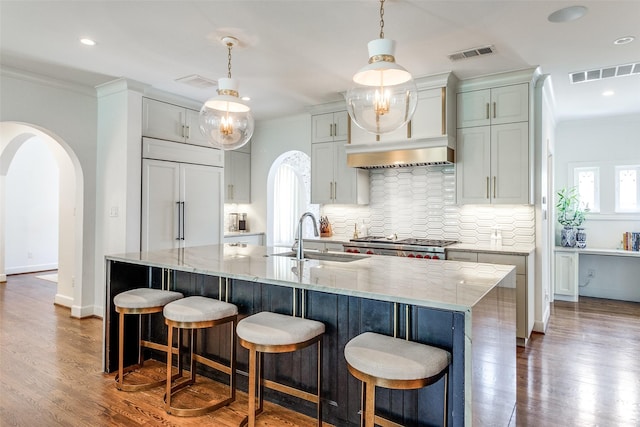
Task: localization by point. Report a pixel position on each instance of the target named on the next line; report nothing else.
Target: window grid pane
(627, 189)
(587, 181)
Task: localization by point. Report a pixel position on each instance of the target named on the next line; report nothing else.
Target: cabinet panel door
(192, 130)
(237, 177)
(566, 276)
(341, 130)
(345, 185)
(201, 188)
(322, 127)
(322, 161)
(473, 166)
(473, 108)
(162, 120)
(510, 104)
(510, 163)
(427, 121)
(160, 194)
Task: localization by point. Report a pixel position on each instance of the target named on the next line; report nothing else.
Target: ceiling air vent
(470, 53)
(604, 73)
(197, 81)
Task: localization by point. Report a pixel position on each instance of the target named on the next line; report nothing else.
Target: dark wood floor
(584, 372)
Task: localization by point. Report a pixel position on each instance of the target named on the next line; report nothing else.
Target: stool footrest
(273, 385)
(212, 364)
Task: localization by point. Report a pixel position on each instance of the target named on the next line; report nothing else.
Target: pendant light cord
(381, 19)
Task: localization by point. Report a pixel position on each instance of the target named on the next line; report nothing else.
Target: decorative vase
(568, 236)
(581, 238)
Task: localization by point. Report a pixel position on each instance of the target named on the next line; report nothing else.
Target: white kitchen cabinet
(171, 122)
(329, 127)
(506, 104)
(566, 276)
(525, 292)
(493, 164)
(332, 181)
(430, 120)
(181, 202)
(237, 177)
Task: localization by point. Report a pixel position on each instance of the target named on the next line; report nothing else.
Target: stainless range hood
(429, 151)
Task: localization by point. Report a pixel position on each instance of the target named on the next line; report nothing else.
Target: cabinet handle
(330, 129)
(179, 219)
(330, 190)
(494, 110)
(188, 132)
(487, 110)
(335, 129)
(233, 192)
(183, 131)
(183, 221)
(335, 190)
(487, 187)
(494, 187)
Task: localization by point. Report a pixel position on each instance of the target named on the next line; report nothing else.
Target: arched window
(290, 197)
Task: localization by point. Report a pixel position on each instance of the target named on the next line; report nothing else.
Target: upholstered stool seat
(194, 313)
(267, 332)
(384, 361)
(139, 301)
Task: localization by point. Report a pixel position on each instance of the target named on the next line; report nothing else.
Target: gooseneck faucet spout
(300, 249)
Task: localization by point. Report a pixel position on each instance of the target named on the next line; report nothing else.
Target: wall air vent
(471, 53)
(197, 81)
(604, 73)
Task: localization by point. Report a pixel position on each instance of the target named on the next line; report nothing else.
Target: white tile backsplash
(420, 202)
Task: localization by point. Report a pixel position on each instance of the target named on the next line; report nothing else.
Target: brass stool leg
(369, 410)
(319, 403)
(252, 387)
(446, 401)
(167, 396)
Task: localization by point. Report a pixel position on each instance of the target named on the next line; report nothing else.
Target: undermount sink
(325, 256)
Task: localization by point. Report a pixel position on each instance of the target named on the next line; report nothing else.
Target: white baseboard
(31, 268)
(63, 300)
(84, 311)
(541, 326)
(3, 278)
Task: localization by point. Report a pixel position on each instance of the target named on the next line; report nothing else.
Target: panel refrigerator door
(202, 194)
(160, 197)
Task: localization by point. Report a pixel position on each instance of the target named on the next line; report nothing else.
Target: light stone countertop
(488, 248)
(242, 233)
(449, 285)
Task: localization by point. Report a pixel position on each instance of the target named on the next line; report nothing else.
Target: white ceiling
(297, 53)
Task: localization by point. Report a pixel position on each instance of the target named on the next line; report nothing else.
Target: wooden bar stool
(139, 301)
(267, 332)
(196, 313)
(394, 363)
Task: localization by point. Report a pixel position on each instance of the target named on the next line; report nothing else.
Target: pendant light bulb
(386, 95)
(225, 120)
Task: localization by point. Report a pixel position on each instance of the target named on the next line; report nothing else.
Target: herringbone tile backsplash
(420, 202)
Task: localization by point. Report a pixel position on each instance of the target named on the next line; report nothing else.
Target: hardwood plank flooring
(584, 372)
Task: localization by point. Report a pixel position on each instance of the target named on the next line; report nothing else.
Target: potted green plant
(570, 215)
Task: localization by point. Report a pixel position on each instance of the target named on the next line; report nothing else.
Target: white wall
(31, 240)
(271, 139)
(601, 139)
(69, 113)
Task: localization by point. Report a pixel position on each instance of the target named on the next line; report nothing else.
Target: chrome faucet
(300, 249)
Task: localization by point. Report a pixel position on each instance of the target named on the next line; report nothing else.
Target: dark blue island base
(485, 358)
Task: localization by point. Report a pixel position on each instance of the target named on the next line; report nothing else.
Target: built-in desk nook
(467, 309)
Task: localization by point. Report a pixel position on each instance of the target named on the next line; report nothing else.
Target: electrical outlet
(591, 273)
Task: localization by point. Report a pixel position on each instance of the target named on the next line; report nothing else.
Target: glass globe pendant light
(225, 120)
(386, 96)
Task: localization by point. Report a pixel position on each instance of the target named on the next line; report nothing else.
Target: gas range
(411, 247)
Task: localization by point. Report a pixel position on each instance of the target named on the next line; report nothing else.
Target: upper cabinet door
(322, 164)
(510, 104)
(341, 129)
(237, 177)
(322, 127)
(163, 121)
(473, 108)
(192, 129)
(510, 163)
(473, 169)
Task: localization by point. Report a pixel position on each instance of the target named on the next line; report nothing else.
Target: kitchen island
(466, 308)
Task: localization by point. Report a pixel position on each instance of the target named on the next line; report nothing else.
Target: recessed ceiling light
(624, 40)
(246, 98)
(608, 93)
(87, 42)
(567, 14)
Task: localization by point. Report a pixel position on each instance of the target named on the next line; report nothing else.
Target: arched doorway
(288, 197)
(70, 224)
